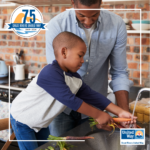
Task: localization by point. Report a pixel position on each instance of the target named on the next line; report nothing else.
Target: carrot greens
(93, 122)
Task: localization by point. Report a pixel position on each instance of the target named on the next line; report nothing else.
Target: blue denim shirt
(108, 44)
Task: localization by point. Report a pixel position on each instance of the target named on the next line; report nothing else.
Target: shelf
(39, 2)
(6, 30)
(8, 5)
(138, 31)
(128, 31)
(51, 2)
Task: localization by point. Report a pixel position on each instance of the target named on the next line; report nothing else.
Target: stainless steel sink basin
(103, 141)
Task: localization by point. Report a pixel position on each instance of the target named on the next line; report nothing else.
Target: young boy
(53, 89)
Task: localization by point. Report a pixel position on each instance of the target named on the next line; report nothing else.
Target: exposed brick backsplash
(34, 48)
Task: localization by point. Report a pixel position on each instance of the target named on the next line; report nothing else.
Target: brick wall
(133, 41)
(34, 47)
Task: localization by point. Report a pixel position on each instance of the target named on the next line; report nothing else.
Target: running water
(138, 97)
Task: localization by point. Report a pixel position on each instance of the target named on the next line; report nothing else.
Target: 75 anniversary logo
(26, 21)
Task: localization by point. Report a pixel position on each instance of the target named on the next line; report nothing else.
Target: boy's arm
(96, 99)
(53, 83)
(100, 116)
(92, 97)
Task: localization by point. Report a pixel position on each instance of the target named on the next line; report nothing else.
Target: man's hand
(125, 114)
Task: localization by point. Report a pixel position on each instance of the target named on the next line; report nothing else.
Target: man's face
(74, 57)
(87, 17)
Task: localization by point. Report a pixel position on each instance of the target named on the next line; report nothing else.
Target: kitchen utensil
(18, 59)
(15, 59)
(143, 26)
(19, 71)
(3, 69)
(126, 21)
(20, 55)
(1, 23)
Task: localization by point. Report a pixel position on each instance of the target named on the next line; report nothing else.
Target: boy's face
(74, 57)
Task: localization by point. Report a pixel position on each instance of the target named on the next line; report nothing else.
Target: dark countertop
(80, 130)
(84, 129)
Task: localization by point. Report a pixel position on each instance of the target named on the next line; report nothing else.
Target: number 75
(31, 14)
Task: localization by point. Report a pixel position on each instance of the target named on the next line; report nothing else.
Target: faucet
(137, 98)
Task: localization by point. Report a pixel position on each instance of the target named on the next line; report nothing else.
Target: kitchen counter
(84, 128)
(80, 130)
(4, 82)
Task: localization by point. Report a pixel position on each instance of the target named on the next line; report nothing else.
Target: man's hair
(87, 2)
(65, 39)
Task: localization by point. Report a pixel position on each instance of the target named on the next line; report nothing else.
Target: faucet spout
(138, 97)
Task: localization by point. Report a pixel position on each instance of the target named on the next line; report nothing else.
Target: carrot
(121, 119)
(138, 126)
(78, 138)
(112, 125)
(69, 138)
(93, 122)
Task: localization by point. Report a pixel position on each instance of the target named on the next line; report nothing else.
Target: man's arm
(120, 82)
(122, 98)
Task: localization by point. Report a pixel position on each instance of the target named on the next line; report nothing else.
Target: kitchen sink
(103, 141)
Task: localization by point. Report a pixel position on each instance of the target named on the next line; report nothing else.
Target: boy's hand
(104, 119)
(104, 127)
(125, 114)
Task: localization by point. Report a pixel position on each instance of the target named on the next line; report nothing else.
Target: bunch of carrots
(117, 121)
(65, 146)
(62, 144)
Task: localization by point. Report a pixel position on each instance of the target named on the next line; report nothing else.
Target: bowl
(143, 26)
(126, 21)
(142, 22)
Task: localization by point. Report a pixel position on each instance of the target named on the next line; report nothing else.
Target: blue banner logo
(26, 21)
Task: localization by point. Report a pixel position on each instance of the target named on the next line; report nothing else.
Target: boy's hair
(65, 39)
(87, 2)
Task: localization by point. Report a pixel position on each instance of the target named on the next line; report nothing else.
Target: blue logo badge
(139, 135)
(132, 136)
(26, 21)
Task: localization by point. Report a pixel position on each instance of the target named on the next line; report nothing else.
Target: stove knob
(11, 96)
(5, 95)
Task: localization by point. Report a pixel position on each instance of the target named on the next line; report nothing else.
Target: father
(105, 36)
